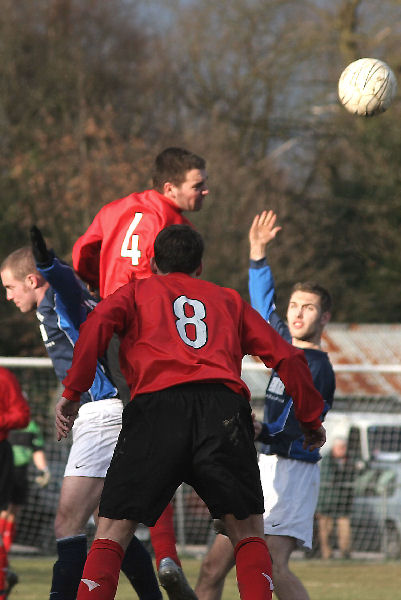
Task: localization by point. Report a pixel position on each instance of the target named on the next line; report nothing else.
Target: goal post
(372, 427)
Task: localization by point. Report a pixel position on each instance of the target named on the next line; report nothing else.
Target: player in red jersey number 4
(182, 344)
(119, 243)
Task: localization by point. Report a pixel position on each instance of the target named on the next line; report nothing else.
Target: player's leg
(252, 558)
(137, 566)
(163, 539)
(215, 566)
(18, 498)
(79, 497)
(168, 565)
(94, 435)
(6, 483)
(8, 531)
(3, 569)
(226, 476)
(290, 490)
(100, 576)
(287, 586)
(8, 537)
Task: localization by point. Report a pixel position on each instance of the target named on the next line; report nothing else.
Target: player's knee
(280, 568)
(211, 572)
(68, 523)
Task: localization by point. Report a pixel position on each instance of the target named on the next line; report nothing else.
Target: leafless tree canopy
(92, 90)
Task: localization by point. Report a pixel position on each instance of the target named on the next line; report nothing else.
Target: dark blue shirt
(64, 307)
(281, 433)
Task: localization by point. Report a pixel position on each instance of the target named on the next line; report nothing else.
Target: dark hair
(20, 262)
(178, 248)
(173, 164)
(314, 288)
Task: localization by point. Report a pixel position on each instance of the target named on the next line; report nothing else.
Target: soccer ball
(367, 87)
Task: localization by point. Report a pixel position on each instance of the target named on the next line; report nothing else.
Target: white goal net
(367, 493)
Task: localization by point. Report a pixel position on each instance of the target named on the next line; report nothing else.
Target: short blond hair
(21, 263)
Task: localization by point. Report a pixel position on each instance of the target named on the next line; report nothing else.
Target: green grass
(334, 580)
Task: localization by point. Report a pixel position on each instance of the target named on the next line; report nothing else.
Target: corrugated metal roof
(366, 360)
(372, 351)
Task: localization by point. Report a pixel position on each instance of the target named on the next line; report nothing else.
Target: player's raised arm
(260, 278)
(263, 230)
(60, 276)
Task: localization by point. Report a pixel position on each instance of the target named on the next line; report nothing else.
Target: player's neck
(303, 344)
(41, 292)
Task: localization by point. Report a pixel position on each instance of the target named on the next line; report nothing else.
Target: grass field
(335, 580)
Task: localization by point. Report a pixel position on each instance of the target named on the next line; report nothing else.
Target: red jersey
(176, 329)
(119, 242)
(14, 409)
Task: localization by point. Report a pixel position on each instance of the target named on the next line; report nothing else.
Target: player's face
(304, 317)
(19, 292)
(189, 195)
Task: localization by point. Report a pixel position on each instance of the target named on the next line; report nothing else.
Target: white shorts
(94, 436)
(290, 489)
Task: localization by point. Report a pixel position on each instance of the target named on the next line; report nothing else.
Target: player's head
(178, 249)
(24, 285)
(308, 311)
(181, 176)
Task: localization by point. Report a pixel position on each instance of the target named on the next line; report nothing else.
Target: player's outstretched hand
(66, 412)
(262, 231)
(40, 252)
(314, 438)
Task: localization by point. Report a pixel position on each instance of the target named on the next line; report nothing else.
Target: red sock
(254, 569)
(162, 536)
(102, 569)
(2, 524)
(8, 535)
(3, 569)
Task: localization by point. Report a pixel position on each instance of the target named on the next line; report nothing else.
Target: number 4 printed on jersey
(130, 245)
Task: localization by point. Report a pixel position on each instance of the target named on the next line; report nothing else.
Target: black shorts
(20, 487)
(6, 473)
(201, 434)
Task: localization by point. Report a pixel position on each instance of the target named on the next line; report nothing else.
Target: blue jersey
(65, 306)
(281, 433)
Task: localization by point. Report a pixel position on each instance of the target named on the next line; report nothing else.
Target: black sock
(67, 570)
(138, 568)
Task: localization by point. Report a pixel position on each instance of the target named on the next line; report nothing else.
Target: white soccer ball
(367, 87)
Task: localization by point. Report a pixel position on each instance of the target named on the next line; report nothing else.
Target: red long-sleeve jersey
(14, 409)
(176, 329)
(119, 242)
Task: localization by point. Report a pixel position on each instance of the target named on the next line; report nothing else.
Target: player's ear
(153, 266)
(33, 281)
(169, 190)
(325, 318)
